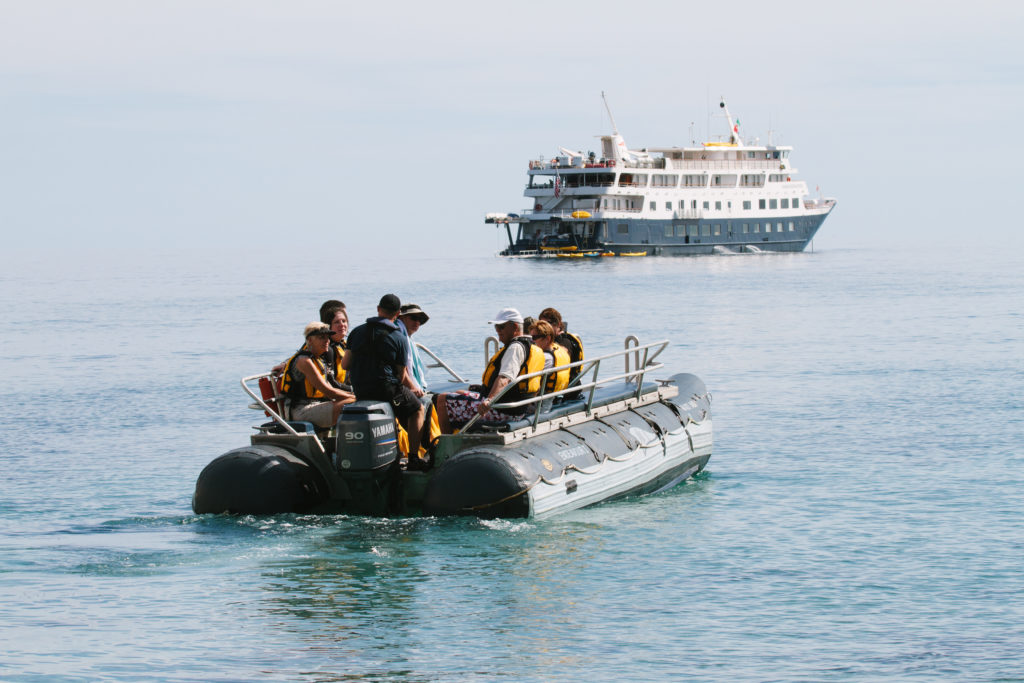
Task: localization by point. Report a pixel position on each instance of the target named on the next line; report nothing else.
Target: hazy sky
(400, 124)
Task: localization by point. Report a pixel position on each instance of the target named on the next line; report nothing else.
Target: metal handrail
(490, 343)
(648, 351)
(273, 413)
(455, 377)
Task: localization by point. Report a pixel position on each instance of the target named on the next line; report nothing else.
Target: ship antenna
(615, 129)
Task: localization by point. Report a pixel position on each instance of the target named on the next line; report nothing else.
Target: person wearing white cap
(518, 356)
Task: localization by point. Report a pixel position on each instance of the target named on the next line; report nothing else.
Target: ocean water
(861, 518)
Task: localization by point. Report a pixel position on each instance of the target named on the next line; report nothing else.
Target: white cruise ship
(719, 197)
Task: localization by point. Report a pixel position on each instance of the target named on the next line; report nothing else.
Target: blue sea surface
(861, 518)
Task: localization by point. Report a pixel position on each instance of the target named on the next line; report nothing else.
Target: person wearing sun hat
(518, 356)
(314, 393)
(409, 321)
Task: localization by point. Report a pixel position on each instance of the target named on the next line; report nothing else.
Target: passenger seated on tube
(313, 391)
(518, 356)
(555, 356)
(410, 320)
(570, 342)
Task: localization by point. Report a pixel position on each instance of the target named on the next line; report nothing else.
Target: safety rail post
(490, 342)
(631, 340)
(273, 413)
(641, 370)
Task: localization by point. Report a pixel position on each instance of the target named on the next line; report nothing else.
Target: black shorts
(403, 402)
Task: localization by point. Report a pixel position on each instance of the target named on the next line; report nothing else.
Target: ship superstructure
(718, 197)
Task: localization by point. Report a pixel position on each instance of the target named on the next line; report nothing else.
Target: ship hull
(667, 237)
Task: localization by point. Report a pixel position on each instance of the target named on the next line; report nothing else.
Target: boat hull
(632, 443)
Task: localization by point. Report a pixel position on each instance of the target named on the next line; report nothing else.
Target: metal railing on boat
(644, 361)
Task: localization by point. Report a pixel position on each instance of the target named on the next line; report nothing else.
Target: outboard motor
(366, 454)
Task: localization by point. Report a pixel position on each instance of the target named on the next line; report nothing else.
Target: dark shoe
(417, 465)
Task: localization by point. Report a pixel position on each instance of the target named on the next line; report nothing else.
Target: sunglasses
(539, 336)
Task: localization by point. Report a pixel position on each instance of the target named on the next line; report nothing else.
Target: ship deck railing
(659, 163)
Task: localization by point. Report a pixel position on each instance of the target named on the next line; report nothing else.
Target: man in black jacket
(376, 366)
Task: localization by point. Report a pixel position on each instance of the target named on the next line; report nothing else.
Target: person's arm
(312, 373)
(510, 364)
(408, 381)
(500, 383)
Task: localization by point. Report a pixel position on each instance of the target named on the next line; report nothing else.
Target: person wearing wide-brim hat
(410, 320)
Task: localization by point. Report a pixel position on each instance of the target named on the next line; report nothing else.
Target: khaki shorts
(320, 413)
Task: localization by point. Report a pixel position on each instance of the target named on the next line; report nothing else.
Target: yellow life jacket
(337, 353)
(533, 362)
(295, 384)
(558, 380)
(574, 347)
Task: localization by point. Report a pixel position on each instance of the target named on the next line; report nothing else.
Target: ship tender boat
(721, 197)
(626, 435)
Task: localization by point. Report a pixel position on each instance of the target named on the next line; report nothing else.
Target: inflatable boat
(610, 435)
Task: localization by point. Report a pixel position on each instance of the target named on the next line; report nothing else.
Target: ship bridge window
(752, 180)
(588, 179)
(541, 181)
(633, 180)
(724, 180)
(796, 203)
(664, 180)
(695, 180)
